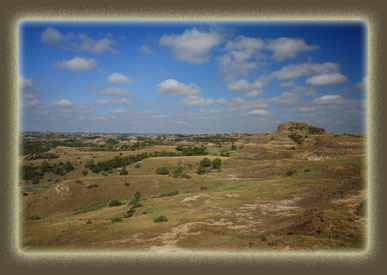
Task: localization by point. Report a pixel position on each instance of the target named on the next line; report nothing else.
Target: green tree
(68, 166)
(136, 197)
(205, 162)
(123, 171)
(216, 163)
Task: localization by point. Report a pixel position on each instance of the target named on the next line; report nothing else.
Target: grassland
(270, 193)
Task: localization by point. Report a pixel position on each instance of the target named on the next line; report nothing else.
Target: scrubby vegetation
(161, 219)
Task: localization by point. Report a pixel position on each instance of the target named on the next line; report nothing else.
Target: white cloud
(119, 111)
(101, 46)
(295, 71)
(258, 112)
(62, 102)
(239, 85)
(193, 46)
(326, 79)
(51, 36)
(254, 93)
(362, 85)
(197, 101)
(284, 48)
(329, 99)
(146, 49)
(77, 63)
(287, 84)
(222, 101)
(172, 87)
(25, 82)
(117, 78)
(80, 43)
(120, 101)
(112, 91)
(238, 100)
(285, 98)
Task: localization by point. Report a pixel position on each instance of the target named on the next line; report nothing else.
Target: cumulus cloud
(284, 48)
(285, 98)
(258, 112)
(287, 84)
(112, 91)
(362, 85)
(304, 69)
(254, 93)
(145, 49)
(100, 46)
(77, 63)
(197, 101)
(120, 101)
(326, 79)
(193, 46)
(119, 111)
(173, 87)
(329, 99)
(239, 85)
(117, 78)
(82, 42)
(62, 102)
(222, 101)
(51, 36)
(25, 82)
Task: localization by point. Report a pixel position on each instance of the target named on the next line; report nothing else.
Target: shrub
(127, 184)
(84, 172)
(203, 188)
(136, 197)
(170, 194)
(307, 170)
(233, 147)
(137, 165)
(68, 166)
(116, 219)
(216, 163)
(78, 181)
(123, 171)
(201, 171)
(35, 180)
(25, 194)
(92, 185)
(296, 138)
(114, 203)
(33, 218)
(162, 171)
(161, 219)
(178, 171)
(264, 238)
(290, 173)
(205, 162)
(130, 212)
(89, 221)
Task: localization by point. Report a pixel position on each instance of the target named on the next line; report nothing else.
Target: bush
(130, 212)
(92, 185)
(162, 171)
(84, 172)
(35, 180)
(201, 171)
(290, 173)
(296, 138)
(123, 171)
(170, 194)
(161, 219)
(205, 162)
(34, 218)
(137, 165)
(233, 147)
(89, 221)
(68, 166)
(264, 238)
(203, 188)
(114, 203)
(136, 197)
(216, 163)
(307, 170)
(116, 219)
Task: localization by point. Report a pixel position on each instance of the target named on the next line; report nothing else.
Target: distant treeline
(122, 162)
(213, 139)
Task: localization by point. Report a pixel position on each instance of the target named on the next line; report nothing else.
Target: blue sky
(190, 76)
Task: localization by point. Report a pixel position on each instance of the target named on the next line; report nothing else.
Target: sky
(191, 76)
